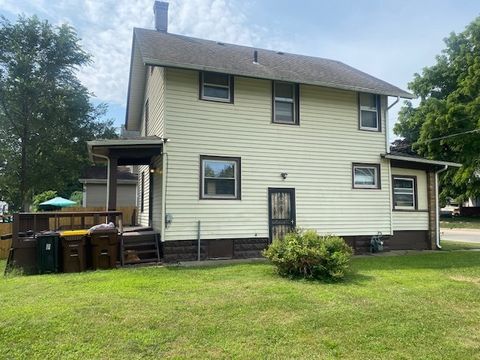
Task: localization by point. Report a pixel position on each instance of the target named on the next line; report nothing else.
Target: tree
(77, 196)
(446, 123)
(42, 197)
(45, 112)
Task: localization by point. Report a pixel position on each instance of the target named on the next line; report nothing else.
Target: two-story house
(237, 145)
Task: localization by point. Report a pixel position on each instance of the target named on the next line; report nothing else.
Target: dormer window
(369, 112)
(285, 103)
(216, 87)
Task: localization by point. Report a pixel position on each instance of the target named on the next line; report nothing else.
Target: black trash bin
(48, 246)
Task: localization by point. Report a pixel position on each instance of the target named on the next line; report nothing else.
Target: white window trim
(235, 178)
(376, 184)
(412, 180)
(285, 100)
(228, 87)
(367, 108)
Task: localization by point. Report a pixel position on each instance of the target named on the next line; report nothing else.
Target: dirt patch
(467, 279)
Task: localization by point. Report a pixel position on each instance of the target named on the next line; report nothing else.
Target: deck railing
(41, 221)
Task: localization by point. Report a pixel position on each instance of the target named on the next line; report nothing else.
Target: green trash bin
(48, 249)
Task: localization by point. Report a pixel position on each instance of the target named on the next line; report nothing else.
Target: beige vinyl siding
(143, 215)
(155, 93)
(157, 194)
(317, 155)
(413, 220)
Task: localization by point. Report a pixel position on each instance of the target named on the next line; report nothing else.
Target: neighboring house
(3, 207)
(237, 145)
(94, 182)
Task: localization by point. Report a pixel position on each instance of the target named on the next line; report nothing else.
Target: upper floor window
(220, 177)
(369, 112)
(216, 87)
(285, 103)
(366, 176)
(404, 193)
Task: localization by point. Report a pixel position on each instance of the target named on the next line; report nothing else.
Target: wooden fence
(129, 215)
(5, 244)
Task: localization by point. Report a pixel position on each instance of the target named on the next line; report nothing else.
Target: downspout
(108, 177)
(437, 208)
(387, 151)
(387, 130)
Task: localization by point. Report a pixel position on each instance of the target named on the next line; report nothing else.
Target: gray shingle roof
(173, 50)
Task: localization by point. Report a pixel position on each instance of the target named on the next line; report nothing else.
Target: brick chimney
(160, 11)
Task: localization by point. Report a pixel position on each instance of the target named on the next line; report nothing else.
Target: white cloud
(106, 31)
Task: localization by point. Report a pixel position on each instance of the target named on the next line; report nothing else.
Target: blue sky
(388, 39)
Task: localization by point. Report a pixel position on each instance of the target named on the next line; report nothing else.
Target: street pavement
(466, 235)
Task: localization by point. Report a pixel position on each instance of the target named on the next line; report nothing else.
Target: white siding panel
(413, 220)
(410, 220)
(317, 155)
(155, 94)
(157, 195)
(143, 215)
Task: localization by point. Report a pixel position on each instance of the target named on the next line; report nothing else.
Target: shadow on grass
(270, 272)
(431, 260)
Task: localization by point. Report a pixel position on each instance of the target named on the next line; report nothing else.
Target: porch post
(112, 184)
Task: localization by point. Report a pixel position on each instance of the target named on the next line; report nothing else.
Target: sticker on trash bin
(48, 246)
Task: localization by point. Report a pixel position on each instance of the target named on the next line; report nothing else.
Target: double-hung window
(366, 176)
(216, 87)
(285, 103)
(369, 112)
(220, 177)
(404, 194)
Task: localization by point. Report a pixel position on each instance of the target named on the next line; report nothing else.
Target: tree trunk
(23, 170)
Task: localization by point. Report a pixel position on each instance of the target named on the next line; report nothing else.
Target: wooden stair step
(145, 251)
(151, 243)
(150, 260)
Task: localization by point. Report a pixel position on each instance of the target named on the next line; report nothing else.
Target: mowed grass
(450, 245)
(460, 222)
(422, 306)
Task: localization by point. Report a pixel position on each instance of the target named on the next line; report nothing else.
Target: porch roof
(127, 151)
(412, 161)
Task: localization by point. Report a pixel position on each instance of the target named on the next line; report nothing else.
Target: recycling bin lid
(73, 233)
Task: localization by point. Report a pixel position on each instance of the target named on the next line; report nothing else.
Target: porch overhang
(126, 151)
(414, 162)
(130, 151)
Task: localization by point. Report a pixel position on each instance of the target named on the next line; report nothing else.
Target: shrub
(310, 255)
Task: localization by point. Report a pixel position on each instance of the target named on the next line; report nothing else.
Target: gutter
(437, 207)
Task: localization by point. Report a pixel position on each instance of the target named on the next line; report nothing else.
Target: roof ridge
(223, 43)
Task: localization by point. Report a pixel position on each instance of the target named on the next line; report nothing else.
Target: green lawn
(450, 245)
(460, 222)
(423, 306)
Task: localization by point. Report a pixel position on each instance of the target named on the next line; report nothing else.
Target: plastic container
(24, 255)
(73, 250)
(104, 248)
(48, 246)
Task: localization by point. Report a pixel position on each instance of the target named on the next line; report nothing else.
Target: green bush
(310, 255)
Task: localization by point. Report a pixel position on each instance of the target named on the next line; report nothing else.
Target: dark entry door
(281, 210)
